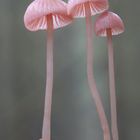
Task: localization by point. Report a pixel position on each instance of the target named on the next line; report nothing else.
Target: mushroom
(108, 24)
(87, 8)
(47, 15)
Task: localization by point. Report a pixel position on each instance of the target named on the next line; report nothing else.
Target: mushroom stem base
(46, 131)
(90, 75)
(114, 127)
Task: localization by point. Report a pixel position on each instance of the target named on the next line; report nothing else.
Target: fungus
(108, 24)
(87, 8)
(47, 15)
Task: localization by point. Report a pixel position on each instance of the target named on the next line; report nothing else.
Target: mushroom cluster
(52, 14)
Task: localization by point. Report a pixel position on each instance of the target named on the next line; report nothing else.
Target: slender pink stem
(46, 131)
(90, 74)
(114, 127)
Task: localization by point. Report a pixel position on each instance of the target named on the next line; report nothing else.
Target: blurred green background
(74, 116)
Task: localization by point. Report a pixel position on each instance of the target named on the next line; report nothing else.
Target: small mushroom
(47, 15)
(87, 8)
(108, 24)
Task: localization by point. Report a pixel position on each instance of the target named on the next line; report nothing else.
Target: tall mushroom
(108, 24)
(87, 8)
(47, 15)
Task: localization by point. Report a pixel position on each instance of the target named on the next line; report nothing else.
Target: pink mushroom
(108, 24)
(87, 8)
(47, 15)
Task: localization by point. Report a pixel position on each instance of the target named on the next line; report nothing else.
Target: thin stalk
(90, 75)
(114, 127)
(46, 131)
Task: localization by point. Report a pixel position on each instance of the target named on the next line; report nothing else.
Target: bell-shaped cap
(76, 8)
(36, 13)
(108, 20)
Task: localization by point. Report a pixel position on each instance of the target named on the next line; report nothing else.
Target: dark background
(74, 116)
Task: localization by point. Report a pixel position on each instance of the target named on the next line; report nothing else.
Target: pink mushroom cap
(36, 13)
(108, 20)
(77, 7)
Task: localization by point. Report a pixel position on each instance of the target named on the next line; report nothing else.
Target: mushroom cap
(108, 20)
(35, 15)
(77, 7)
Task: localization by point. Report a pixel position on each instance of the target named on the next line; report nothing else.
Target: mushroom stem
(114, 127)
(46, 131)
(90, 74)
